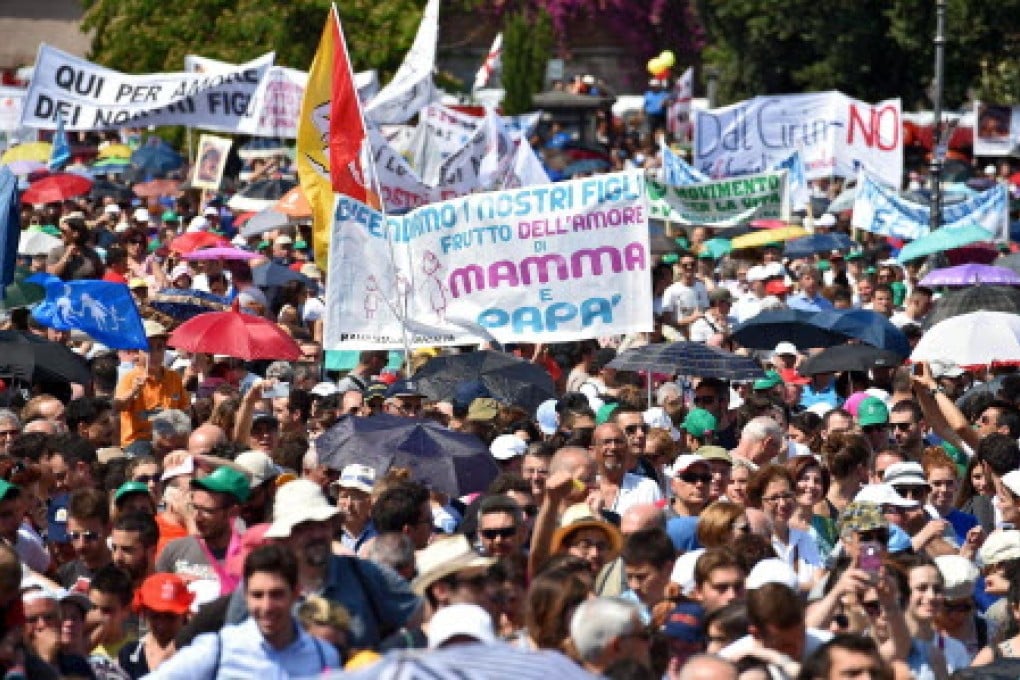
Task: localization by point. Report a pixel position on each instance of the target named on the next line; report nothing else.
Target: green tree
(527, 47)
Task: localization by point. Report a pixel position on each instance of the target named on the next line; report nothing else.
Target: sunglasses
(634, 429)
(492, 534)
(873, 536)
(902, 427)
(913, 492)
(696, 477)
(83, 535)
(146, 479)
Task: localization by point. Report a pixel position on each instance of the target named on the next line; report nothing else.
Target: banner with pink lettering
(835, 134)
(549, 263)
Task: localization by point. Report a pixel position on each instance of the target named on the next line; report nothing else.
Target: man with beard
(619, 489)
(262, 472)
(378, 600)
(133, 544)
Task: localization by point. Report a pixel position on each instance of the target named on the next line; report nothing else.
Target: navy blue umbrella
(450, 462)
(183, 304)
(156, 157)
(10, 226)
(271, 275)
(768, 329)
(508, 379)
(867, 326)
(817, 243)
(693, 359)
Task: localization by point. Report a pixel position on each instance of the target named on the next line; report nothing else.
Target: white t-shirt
(703, 329)
(635, 490)
(747, 306)
(682, 300)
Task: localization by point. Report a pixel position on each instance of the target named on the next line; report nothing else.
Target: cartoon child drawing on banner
(433, 286)
(372, 296)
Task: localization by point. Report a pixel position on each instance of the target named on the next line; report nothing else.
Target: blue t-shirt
(655, 102)
(962, 523)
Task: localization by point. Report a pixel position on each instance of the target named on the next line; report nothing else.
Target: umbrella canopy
(769, 223)
(865, 325)
(450, 462)
(110, 166)
(265, 220)
(694, 359)
(817, 243)
(25, 167)
(193, 240)
(508, 379)
(973, 341)
(943, 239)
(768, 329)
(234, 334)
(270, 274)
(56, 188)
(971, 274)
(585, 166)
(294, 203)
(261, 195)
(1011, 261)
(22, 293)
(115, 151)
(716, 247)
(974, 299)
(220, 253)
(30, 151)
(33, 242)
(757, 239)
(855, 357)
(183, 304)
(101, 188)
(158, 187)
(28, 357)
(156, 157)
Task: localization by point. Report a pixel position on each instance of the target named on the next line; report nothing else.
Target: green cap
(8, 490)
(50, 229)
(670, 258)
(699, 422)
(225, 480)
(170, 216)
(154, 246)
(958, 456)
(605, 412)
(870, 270)
(682, 242)
(872, 411)
(854, 255)
(861, 516)
(899, 292)
(771, 379)
(823, 265)
(300, 245)
(128, 488)
(262, 244)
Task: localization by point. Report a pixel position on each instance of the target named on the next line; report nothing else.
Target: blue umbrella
(156, 157)
(585, 166)
(944, 239)
(10, 226)
(271, 274)
(694, 359)
(183, 304)
(865, 325)
(768, 329)
(817, 243)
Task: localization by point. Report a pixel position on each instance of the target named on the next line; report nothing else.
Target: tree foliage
(870, 49)
(147, 36)
(528, 43)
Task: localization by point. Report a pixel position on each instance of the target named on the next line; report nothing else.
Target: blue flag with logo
(10, 227)
(104, 310)
(677, 172)
(60, 155)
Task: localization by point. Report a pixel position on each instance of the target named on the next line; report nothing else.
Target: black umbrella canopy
(450, 462)
(30, 358)
(973, 299)
(769, 328)
(694, 359)
(856, 357)
(508, 379)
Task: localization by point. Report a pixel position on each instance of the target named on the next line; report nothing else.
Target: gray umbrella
(264, 221)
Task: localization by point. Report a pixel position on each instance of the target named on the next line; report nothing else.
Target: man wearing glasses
(618, 488)
(685, 301)
(88, 525)
(691, 479)
(403, 399)
(873, 419)
(500, 526)
(908, 427)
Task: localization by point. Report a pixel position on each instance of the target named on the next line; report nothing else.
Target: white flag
(412, 87)
(679, 119)
(493, 62)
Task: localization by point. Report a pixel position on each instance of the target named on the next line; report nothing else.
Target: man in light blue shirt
(808, 298)
(270, 644)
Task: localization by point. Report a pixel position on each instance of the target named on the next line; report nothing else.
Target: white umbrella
(972, 340)
(36, 243)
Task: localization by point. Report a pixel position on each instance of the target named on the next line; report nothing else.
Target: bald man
(205, 437)
(706, 667)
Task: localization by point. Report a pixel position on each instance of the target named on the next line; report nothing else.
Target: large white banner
(412, 87)
(91, 97)
(835, 134)
(724, 202)
(550, 263)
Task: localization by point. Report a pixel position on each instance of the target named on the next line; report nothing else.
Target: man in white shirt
(617, 488)
(687, 298)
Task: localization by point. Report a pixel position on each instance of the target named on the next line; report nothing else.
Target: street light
(940, 145)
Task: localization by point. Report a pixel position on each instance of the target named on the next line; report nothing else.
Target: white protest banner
(676, 171)
(441, 132)
(91, 97)
(212, 161)
(835, 134)
(551, 263)
(721, 203)
(678, 118)
(412, 87)
(527, 169)
(399, 184)
(996, 129)
(880, 210)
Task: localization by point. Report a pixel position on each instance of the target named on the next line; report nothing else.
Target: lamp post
(939, 145)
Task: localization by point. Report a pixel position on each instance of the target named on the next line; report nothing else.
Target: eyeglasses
(902, 427)
(9, 433)
(634, 429)
(778, 498)
(871, 607)
(914, 492)
(87, 536)
(686, 265)
(706, 400)
(502, 532)
(697, 477)
(146, 479)
(585, 545)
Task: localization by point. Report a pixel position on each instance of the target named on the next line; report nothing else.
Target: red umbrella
(56, 188)
(193, 240)
(157, 188)
(234, 334)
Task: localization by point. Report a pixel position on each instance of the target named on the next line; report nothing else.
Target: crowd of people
(175, 518)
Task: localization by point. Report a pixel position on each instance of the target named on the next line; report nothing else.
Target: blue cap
(685, 623)
(404, 388)
(56, 519)
(467, 392)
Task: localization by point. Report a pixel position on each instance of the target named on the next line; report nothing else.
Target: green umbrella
(944, 239)
(20, 293)
(716, 248)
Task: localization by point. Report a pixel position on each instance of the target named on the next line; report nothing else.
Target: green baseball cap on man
(699, 422)
(872, 411)
(771, 379)
(128, 488)
(8, 491)
(225, 480)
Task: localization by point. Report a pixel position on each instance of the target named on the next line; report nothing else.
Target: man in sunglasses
(691, 479)
(873, 419)
(88, 525)
(907, 424)
(500, 526)
(933, 535)
(633, 424)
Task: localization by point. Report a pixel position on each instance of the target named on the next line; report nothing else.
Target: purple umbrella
(970, 274)
(25, 167)
(220, 254)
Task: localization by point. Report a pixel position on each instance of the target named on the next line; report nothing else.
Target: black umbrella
(271, 274)
(858, 357)
(694, 359)
(507, 378)
(183, 304)
(102, 188)
(973, 299)
(30, 358)
(451, 462)
(769, 328)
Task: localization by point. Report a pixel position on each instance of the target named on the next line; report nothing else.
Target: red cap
(163, 593)
(792, 377)
(777, 287)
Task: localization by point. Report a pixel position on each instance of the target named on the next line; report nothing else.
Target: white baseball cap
(882, 494)
(356, 476)
(507, 446)
(773, 570)
(460, 620)
(785, 348)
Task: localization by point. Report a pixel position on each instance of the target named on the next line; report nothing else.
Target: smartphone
(870, 557)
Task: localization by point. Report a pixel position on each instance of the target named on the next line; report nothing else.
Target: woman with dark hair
(74, 259)
(805, 428)
(975, 495)
(552, 598)
(811, 485)
(845, 455)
